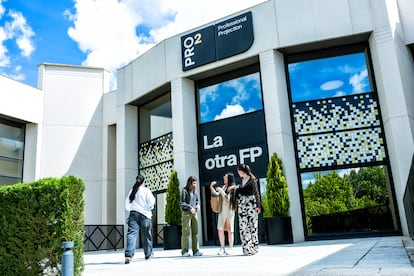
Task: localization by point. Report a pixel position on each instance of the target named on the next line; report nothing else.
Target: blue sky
(230, 98)
(329, 77)
(97, 33)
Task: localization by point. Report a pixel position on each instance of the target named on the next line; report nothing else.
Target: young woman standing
(225, 220)
(249, 208)
(190, 207)
(139, 202)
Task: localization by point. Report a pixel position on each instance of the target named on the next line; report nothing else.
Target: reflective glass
(329, 77)
(230, 98)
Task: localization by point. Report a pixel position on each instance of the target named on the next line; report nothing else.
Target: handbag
(216, 203)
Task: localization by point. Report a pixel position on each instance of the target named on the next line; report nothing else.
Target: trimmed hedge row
(35, 218)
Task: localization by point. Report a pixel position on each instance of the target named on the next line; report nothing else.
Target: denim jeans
(137, 221)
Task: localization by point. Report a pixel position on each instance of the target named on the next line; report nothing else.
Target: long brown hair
(189, 187)
(246, 169)
(231, 182)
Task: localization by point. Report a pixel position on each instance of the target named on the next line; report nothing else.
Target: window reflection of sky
(230, 98)
(329, 77)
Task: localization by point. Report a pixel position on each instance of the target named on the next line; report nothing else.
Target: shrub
(173, 206)
(35, 218)
(277, 197)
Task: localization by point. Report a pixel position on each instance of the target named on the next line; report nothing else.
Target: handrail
(103, 237)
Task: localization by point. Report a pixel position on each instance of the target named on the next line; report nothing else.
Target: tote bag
(216, 203)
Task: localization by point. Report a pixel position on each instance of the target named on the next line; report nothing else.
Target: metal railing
(103, 237)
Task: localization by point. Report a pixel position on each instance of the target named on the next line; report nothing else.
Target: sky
(97, 33)
(329, 77)
(230, 98)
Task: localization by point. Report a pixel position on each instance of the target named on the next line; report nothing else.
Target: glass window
(329, 77)
(340, 143)
(11, 152)
(230, 98)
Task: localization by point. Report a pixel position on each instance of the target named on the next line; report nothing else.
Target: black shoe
(127, 260)
(149, 257)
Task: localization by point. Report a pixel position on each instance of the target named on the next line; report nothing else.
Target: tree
(277, 197)
(369, 184)
(173, 207)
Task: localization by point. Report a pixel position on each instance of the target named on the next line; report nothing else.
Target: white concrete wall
(405, 10)
(24, 103)
(71, 142)
(109, 197)
(20, 101)
(392, 68)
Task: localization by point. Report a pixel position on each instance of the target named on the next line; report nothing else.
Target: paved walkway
(363, 256)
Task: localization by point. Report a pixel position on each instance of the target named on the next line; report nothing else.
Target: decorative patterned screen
(338, 131)
(156, 161)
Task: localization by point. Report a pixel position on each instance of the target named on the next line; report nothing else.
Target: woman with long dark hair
(189, 208)
(249, 208)
(225, 221)
(139, 202)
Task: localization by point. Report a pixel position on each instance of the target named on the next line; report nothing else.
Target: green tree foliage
(173, 206)
(277, 197)
(369, 184)
(332, 193)
(329, 194)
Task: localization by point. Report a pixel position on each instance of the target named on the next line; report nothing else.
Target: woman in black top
(249, 207)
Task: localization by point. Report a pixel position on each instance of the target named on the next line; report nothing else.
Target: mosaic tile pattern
(155, 161)
(351, 112)
(157, 176)
(343, 148)
(338, 131)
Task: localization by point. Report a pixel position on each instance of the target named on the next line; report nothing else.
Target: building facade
(327, 85)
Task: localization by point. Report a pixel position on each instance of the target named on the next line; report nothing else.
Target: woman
(226, 216)
(189, 207)
(139, 203)
(249, 208)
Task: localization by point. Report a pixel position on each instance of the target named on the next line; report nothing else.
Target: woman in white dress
(225, 220)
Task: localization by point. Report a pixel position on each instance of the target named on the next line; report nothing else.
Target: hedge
(35, 218)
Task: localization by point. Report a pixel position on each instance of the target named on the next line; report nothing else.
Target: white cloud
(332, 85)
(15, 29)
(230, 111)
(106, 30)
(359, 81)
(4, 58)
(340, 94)
(19, 29)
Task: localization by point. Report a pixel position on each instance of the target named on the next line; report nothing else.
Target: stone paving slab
(364, 256)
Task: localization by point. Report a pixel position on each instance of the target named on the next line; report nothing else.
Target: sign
(225, 144)
(234, 36)
(198, 48)
(219, 41)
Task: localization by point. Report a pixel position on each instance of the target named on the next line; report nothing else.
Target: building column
(279, 131)
(184, 129)
(392, 61)
(126, 156)
(184, 123)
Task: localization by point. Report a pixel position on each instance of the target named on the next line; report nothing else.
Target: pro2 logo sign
(198, 48)
(219, 41)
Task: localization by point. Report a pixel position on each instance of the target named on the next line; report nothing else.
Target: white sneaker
(229, 251)
(221, 251)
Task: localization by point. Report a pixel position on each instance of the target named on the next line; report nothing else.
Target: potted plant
(277, 204)
(172, 231)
